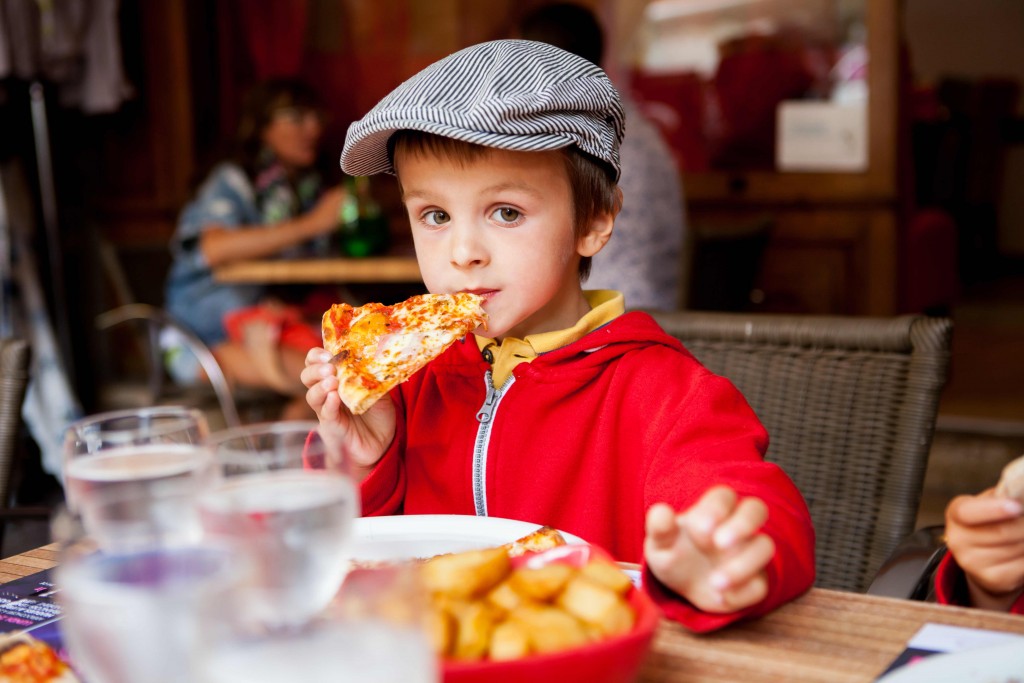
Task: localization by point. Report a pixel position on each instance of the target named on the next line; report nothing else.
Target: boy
(565, 410)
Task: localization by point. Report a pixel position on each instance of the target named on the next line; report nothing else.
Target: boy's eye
(436, 217)
(507, 214)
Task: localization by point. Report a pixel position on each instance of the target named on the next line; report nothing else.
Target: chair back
(849, 404)
(153, 321)
(15, 357)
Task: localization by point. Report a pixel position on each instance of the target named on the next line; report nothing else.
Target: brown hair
(591, 183)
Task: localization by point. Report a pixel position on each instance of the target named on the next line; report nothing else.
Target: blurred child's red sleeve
(951, 588)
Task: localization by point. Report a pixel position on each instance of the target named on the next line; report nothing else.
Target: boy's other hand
(712, 554)
(985, 534)
(366, 436)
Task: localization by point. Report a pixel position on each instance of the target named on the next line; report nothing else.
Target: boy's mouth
(485, 293)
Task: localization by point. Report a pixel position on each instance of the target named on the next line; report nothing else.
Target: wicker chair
(15, 359)
(850, 406)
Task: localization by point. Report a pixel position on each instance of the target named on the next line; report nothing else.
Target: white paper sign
(945, 638)
(821, 136)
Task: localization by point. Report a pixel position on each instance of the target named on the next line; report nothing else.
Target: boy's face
(500, 225)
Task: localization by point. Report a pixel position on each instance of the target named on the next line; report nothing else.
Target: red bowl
(615, 660)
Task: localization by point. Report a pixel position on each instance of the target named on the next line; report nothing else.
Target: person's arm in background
(220, 245)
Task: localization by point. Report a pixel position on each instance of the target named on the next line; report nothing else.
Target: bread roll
(1011, 483)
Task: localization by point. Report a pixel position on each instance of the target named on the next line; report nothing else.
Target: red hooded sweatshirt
(585, 438)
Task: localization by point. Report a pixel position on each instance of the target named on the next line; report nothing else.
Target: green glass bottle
(364, 228)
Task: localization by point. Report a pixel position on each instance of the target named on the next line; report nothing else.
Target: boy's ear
(600, 230)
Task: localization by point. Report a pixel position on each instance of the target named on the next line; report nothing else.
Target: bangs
(419, 144)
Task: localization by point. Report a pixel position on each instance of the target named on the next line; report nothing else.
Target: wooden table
(378, 269)
(825, 636)
(28, 562)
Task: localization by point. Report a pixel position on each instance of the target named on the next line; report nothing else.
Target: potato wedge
(596, 606)
(466, 575)
(509, 640)
(608, 575)
(440, 627)
(548, 628)
(474, 623)
(504, 597)
(541, 583)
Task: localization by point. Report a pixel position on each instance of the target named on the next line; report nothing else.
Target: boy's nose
(467, 249)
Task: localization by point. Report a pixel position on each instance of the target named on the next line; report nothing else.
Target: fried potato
(608, 575)
(548, 628)
(440, 626)
(505, 597)
(509, 640)
(541, 583)
(596, 606)
(483, 608)
(474, 622)
(467, 574)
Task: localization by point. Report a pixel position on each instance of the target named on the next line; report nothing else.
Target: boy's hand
(712, 554)
(366, 436)
(985, 533)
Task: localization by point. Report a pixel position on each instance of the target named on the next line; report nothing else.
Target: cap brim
(366, 153)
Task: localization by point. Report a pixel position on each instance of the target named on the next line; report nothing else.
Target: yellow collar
(506, 354)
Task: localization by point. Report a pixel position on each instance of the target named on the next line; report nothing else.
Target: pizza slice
(24, 659)
(544, 538)
(377, 347)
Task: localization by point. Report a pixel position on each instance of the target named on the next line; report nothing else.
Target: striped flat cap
(511, 94)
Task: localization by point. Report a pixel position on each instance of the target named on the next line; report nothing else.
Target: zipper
(485, 416)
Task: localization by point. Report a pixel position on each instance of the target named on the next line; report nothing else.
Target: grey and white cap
(511, 94)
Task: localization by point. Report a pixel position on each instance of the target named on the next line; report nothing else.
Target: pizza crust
(377, 347)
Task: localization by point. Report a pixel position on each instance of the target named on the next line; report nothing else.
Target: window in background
(756, 84)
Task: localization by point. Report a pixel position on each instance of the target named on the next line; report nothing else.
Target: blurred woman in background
(267, 199)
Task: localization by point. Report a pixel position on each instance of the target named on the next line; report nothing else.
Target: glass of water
(133, 616)
(373, 632)
(284, 499)
(133, 475)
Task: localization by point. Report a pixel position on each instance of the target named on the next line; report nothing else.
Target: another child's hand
(713, 554)
(985, 534)
(367, 436)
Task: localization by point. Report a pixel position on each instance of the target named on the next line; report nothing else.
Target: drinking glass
(286, 500)
(373, 632)
(133, 616)
(133, 475)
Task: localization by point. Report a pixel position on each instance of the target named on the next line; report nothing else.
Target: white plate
(410, 536)
(993, 664)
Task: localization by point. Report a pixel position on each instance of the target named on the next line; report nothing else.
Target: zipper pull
(486, 411)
